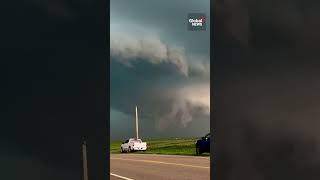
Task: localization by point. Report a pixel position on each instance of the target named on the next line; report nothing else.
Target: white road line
(120, 176)
(161, 162)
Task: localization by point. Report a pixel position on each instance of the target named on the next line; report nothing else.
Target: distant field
(174, 146)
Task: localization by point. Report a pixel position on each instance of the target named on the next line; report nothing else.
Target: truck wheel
(198, 152)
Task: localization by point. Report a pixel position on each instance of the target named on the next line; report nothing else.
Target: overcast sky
(157, 64)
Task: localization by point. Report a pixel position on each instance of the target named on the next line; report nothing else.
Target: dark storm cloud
(127, 48)
(163, 100)
(157, 64)
(169, 19)
(148, 130)
(266, 103)
(151, 49)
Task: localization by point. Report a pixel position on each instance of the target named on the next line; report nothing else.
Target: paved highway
(158, 167)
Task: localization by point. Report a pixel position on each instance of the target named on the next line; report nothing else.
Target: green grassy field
(174, 146)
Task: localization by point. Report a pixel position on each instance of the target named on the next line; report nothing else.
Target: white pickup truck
(133, 144)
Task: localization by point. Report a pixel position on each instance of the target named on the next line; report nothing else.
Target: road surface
(158, 167)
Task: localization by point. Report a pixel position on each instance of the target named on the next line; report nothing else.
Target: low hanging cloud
(167, 105)
(174, 103)
(169, 83)
(188, 103)
(199, 66)
(150, 48)
(127, 49)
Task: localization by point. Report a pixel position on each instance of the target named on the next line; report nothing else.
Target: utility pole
(137, 125)
(84, 160)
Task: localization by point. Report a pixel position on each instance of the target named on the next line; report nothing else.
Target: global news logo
(196, 22)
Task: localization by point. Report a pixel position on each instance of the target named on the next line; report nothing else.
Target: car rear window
(137, 141)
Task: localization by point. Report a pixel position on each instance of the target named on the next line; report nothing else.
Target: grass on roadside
(173, 146)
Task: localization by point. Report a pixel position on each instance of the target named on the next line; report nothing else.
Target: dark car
(203, 144)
